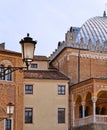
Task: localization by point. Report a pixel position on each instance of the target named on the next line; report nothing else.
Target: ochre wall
(45, 101)
(41, 65)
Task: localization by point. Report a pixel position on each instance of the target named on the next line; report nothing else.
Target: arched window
(5, 73)
(2, 72)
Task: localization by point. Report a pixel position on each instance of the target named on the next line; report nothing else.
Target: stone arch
(86, 95)
(100, 91)
(77, 97)
(6, 72)
(88, 103)
(6, 63)
(78, 100)
(101, 104)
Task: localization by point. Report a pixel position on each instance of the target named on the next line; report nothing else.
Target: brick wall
(92, 64)
(12, 91)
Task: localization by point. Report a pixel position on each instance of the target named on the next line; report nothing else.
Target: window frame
(6, 73)
(8, 123)
(28, 91)
(2, 72)
(61, 115)
(34, 65)
(61, 89)
(29, 112)
(9, 74)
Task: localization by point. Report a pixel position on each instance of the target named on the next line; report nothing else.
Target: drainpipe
(79, 65)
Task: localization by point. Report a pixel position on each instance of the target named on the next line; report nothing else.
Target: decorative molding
(91, 47)
(93, 56)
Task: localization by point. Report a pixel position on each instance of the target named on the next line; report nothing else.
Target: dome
(95, 29)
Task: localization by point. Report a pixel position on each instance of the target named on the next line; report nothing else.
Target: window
(5, 73)
(28, 89)
(8, 123)
(34, 65)
(8, 74)
(28, 115)
(2, 72)
(61, 115)
(61, 90)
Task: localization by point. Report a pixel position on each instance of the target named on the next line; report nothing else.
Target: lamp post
(9, 112)
(10, 109)
(28, 47)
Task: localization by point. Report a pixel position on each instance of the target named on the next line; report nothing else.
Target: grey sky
(47, 21)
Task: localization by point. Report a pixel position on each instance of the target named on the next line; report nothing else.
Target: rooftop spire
(104, 14)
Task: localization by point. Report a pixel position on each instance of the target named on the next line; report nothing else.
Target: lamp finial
(27, 34)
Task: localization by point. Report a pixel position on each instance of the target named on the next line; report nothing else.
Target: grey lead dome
(95, 29)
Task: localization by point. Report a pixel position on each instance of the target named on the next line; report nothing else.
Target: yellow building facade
(48, 99)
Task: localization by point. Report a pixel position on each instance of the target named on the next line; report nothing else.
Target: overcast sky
(47, 21)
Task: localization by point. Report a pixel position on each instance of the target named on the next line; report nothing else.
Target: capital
(94, 99)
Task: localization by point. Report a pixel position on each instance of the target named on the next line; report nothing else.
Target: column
(94, 99)
(83, 108)
(73, 113)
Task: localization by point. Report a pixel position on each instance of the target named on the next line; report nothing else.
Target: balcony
(99, 119)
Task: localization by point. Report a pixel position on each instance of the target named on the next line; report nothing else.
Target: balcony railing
(101, 119)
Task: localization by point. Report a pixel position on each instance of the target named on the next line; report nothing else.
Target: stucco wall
(41, 65)
(45, 101)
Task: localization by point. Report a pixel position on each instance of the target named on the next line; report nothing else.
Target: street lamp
(9, 112)
(10, 109)
(28, 47)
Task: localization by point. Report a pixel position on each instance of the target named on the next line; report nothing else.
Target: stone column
(94, 99)
(83, 108)
(73, 113)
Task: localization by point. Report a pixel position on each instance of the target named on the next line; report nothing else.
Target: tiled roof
(90, 80)
(41, 58)
(44, 74)
(36, 57)
(9, 52)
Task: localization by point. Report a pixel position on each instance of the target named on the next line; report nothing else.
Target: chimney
(2, 46)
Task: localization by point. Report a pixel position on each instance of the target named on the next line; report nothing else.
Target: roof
(95, 29)
(36, 57)
(5, 51)
(88, 81)
(41, 58)
(44, 74)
